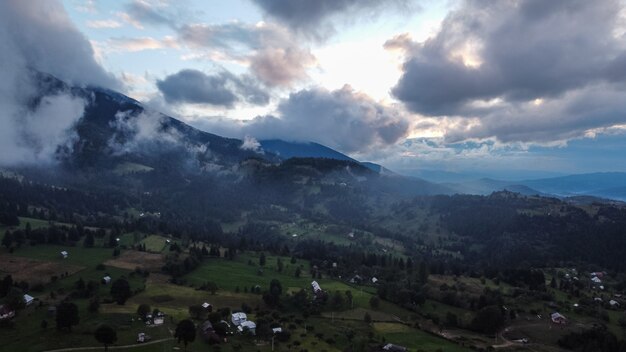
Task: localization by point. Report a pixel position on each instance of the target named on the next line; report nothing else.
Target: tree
(349, 297)
(89, 240)
(337, 300)
(262, 259)
(272, 297)
(298, 271)
(15, 298)
(94, 305)
(195, 311)
(488, 320)
(143, 310)
(8, 239)
(5, 285)
(374, 302)
(185, 332)
(211, 286)
(120, 291)
(106, 335)
(67, 315)
(367, 318)
(279, 265)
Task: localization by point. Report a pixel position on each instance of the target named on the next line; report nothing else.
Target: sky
(509, 89)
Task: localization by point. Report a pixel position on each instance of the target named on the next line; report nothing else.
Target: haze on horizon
(507, 89)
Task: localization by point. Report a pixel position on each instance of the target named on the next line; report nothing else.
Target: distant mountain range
(611, 185)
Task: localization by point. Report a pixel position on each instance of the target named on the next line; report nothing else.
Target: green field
(154, 243)
(415, 340)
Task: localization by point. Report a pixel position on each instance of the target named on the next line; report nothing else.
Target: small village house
(28, 299)
(239, 318)
(394, 348)
(558, 318)
(247, 326)
(106, 280)
(64, 254)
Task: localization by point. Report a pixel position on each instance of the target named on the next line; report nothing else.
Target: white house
(106, 280)
(64, 254)
(558, 318)
(596, 280)
(614, 303)
(316, 287)
(206, 305)
(247, 326)
(239, 318)
(277, 330)
(28, 299)
(374, 280)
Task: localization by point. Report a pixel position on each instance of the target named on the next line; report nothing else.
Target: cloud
(138, 44)
(344, 119)
(103, 24)
(144, 11)
(317, 19)
(48, 41)
(274, 55)
(37, 120)
(250, 143)
(518, 70)
(156, 13)
(220, 89)
(134, 131)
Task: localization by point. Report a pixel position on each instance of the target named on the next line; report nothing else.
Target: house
(208, 333)
(142, 337)
(614, 303)
(6, 313)
(356, 279)
(277, 330)
(558, 318)
(106, 280)
(597, 274)
(239, 318)
(247, 326)
(598, 299)
(596, 280)
(316, 287)
(374, 280)
(158, 320)
(207, 306)
(394, 348)
(28, 299)
(64, 254)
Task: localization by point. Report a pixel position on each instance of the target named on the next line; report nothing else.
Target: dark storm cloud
(342, 119)
(220, 89)
(316, 18)
(490, 60)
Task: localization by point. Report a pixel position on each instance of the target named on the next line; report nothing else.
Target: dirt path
(112, 347)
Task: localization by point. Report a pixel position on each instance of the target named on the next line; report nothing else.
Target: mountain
(120, 143)
(286, 149)
(485, 186)
(604, 184)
